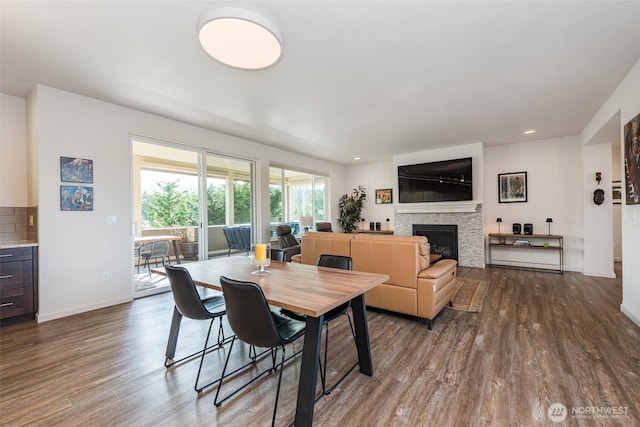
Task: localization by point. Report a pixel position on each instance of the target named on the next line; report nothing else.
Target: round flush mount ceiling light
(239, 38)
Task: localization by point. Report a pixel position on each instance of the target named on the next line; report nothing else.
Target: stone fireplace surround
(467, 217)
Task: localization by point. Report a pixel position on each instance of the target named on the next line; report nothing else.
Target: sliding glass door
(187, 197)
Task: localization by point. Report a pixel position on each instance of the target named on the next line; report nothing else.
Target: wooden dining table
(302, 288)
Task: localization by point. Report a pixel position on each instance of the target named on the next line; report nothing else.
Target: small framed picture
(384, 196)
(76, 198)
(74, 169)
(512, 187)
(616, 192)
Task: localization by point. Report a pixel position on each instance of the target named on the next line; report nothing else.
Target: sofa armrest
(438, 269)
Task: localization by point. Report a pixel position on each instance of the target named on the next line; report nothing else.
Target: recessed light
(527, 132)
(356, 158)
(239, 38)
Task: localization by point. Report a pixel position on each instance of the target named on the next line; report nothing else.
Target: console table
(365, 231)
(537, 242)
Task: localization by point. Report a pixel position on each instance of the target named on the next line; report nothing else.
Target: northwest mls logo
(557, 412)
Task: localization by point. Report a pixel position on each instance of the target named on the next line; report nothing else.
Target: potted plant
(350, 206)
(188, 243)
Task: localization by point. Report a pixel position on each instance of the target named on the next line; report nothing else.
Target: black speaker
(516, 228)
(378, 226)
(372, 226)
(528, 229)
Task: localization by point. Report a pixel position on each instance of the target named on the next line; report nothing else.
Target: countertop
(17, 244)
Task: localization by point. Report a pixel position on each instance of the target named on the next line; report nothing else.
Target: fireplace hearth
(443, 239)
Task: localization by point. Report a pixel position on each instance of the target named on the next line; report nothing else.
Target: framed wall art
(384, 196)
(632, 161)
(74, 169)
(616, 192)
(76, 198)
(512, 187)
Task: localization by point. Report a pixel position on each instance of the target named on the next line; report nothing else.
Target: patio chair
(157, 250)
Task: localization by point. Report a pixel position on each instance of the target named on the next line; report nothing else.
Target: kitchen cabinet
(18, 283)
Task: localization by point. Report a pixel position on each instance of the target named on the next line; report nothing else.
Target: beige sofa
(416, 286)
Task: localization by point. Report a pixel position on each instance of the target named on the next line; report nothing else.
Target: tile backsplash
(18, 223)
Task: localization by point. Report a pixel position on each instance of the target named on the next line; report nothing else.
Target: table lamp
(499, 220)
(306, 222)
(549, 221)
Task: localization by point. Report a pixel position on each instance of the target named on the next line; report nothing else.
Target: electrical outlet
(105, 276)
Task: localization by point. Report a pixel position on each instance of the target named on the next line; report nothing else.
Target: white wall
(76, 248)
(554, 190)
(598, 219)
(626, 100)
(13, 151)
(373, 176)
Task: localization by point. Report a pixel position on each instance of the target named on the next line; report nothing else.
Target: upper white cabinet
(13, 151)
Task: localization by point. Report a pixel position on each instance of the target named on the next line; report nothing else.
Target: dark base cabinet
(18, 284)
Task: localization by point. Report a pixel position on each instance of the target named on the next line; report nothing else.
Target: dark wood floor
(540, 339)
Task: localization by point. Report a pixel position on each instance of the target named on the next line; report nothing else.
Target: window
(294, 194)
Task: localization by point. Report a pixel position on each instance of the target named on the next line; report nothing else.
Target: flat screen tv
(444, 181)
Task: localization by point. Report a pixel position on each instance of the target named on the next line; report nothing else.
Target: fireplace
(443, 239)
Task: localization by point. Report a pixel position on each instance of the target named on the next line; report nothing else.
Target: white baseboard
(635, 317)
(608, 275)
(45, 317)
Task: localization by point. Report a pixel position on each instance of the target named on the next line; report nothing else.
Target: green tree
(275, 203)
(241, 202)
(169, 206)
(216, 205)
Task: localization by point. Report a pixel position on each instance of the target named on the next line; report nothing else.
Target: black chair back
(335, 261)
(187, 299)
(285, 238)
(278, 255)
(248, 313)
(323, 226)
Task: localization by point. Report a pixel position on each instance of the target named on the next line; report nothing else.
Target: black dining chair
(191, 306)
(253, 322)
(344, 263)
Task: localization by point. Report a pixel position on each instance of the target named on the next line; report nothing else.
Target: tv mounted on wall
(444, 181)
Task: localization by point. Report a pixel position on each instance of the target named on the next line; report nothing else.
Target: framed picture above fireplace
(512, 187)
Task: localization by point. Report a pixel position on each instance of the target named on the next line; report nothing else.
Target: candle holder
(261, 257)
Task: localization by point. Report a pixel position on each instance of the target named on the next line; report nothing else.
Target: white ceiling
(368, 79)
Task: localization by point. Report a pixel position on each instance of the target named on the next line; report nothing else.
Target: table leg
(309, 371)
(173, 334)
(175, 252)
(362, 335)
